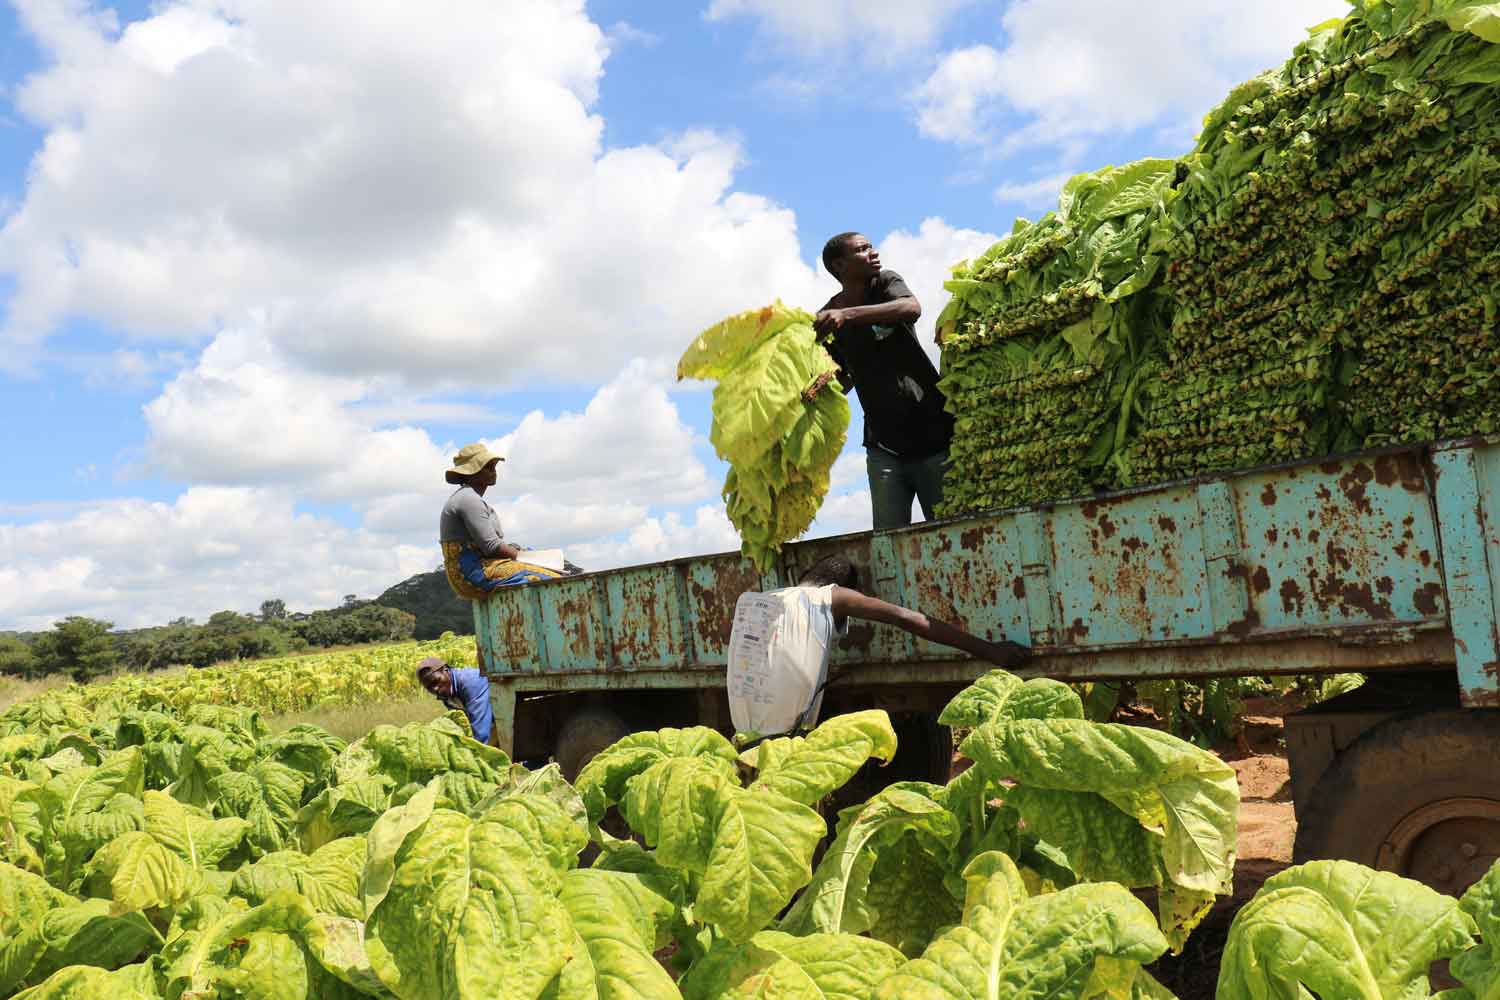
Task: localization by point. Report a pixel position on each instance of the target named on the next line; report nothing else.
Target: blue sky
(265, 265)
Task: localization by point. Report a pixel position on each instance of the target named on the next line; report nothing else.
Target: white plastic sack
(778, 658)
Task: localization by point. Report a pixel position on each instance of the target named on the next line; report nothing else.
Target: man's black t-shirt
(895, 380)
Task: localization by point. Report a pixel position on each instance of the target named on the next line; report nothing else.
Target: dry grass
(350, 722)
(13, 690)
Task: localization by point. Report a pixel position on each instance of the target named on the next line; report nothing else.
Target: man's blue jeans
(894, 482)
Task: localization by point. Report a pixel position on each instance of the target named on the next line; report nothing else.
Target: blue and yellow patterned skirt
(472, 576)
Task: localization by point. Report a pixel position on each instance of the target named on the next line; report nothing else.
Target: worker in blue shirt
(463, 688)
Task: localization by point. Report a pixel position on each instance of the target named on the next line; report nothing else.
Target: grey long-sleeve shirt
(467, 518)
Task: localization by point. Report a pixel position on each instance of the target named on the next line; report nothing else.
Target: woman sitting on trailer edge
(476, 557)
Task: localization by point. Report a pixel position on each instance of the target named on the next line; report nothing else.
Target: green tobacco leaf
(1119, 801)
(21, 830)
(421, 751)
(1076, 943)
(1482, 19)
(547, 782)
(329, 877)
(1338, 929)
(85, 832)
(812, 967)
(602, 781)
(385, 841)
(759, 402)
(621, 922)
(191, 833)
(502, 930)
(836, 898)
(206, 754)
(62, 801)
(543, 822)
(251, 952)
(806, 768)
(1479, 967)
(85, 982)
(87, 933)
(999, 695)
(907, 901)
(342, 811)
(303, 748)
(719, 350)
(751, 848)
(25, 900)
(267, 797)
(139, 873)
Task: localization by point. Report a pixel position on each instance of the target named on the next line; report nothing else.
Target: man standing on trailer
(868, 329)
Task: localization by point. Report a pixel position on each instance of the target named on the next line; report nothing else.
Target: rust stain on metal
(1167, 524)
(1385, 585)
(1291, 597)
(1482, 698)
(1330, 468)
(971, 539)
(1077, 631)
(934, 601)
(1425, 599)
(577, 616)
(637, 642)
(1272, 536)
(1424, 557)
(1090, 510)
(512, 628)
(1353, 595)
(859, 637)
(1260, 580)
(1268, 495)
(1106, 526)
(713, 607)
(1244, 626)
(1131, 545)
(1353, 484)
(1018, 587)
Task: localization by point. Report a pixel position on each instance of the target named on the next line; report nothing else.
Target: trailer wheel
(1418, 795)
(586, 732)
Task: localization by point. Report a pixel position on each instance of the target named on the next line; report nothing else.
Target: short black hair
(834, 569)
(835, 249)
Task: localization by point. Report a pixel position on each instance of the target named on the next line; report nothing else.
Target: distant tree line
(84, 648)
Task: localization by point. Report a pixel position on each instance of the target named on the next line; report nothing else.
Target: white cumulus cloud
(1080, 68)
(416, 190)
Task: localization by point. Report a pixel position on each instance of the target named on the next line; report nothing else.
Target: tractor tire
(1418, 795)
(586, 732)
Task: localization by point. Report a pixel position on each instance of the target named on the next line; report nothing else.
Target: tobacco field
(150, 851)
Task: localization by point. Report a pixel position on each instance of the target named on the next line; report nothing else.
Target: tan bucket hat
(469, 460)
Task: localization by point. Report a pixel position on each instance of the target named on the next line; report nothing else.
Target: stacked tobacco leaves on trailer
(1333, 284)
(1045, 340)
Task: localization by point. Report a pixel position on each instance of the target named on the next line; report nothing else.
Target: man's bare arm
(906, 309)
(853, 604)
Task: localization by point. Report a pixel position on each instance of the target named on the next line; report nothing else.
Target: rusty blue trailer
(1378, 562)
